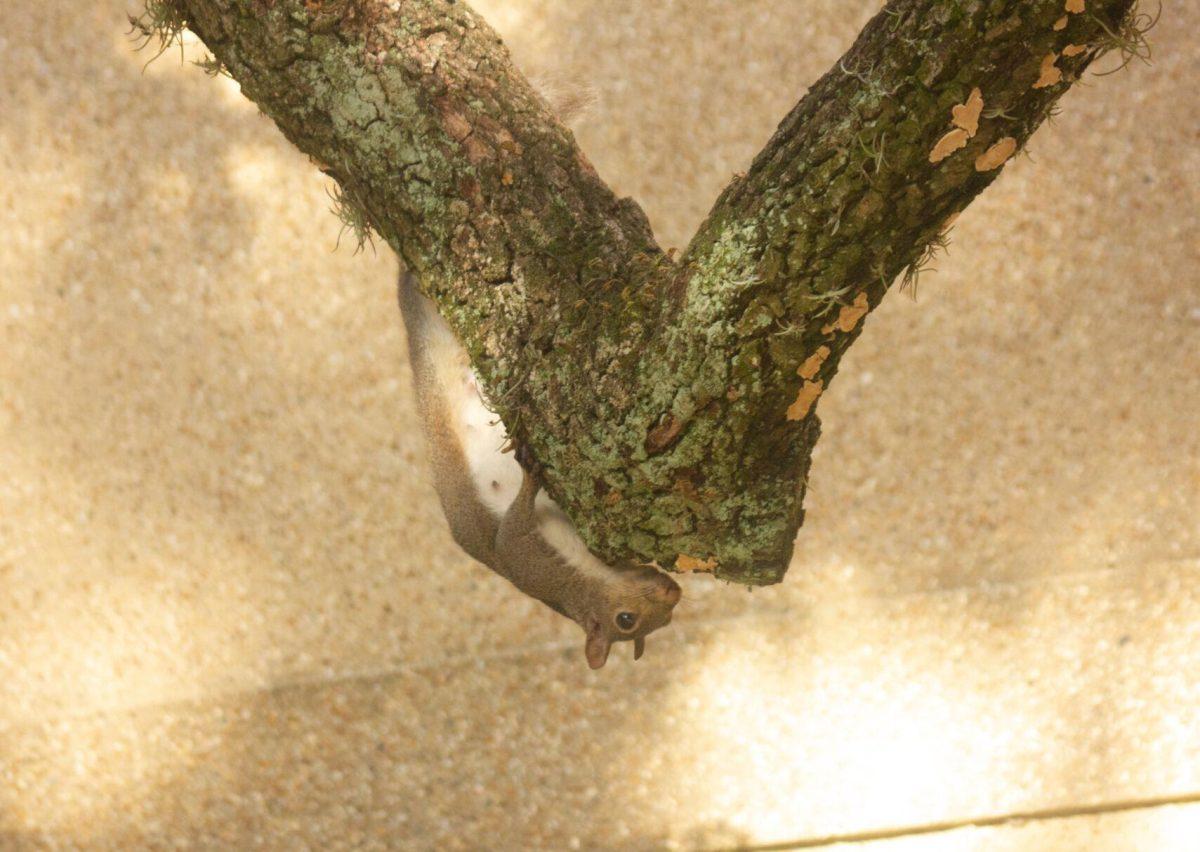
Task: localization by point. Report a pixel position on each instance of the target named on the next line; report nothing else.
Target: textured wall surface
(230, 610)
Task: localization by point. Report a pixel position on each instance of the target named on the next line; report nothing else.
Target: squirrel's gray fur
(527, 539)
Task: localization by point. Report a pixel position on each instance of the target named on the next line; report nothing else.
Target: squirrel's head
(637, 603)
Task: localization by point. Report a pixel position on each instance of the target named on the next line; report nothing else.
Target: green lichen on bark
(672, 404)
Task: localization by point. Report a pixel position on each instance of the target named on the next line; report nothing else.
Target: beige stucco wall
(223, 573)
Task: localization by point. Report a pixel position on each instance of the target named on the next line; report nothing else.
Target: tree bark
(672, 403)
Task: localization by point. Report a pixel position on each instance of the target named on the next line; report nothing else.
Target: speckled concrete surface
(229, 608)
(859, 714)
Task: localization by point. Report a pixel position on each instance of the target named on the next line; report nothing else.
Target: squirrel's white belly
(479, 432)
(496, 474)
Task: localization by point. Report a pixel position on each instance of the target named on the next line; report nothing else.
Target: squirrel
(494, 508)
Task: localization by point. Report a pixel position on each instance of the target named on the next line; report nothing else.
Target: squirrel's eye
(626, 620)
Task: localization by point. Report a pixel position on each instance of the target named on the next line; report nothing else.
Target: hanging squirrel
(495, 511)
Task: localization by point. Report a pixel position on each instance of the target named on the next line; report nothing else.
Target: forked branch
(672, 405)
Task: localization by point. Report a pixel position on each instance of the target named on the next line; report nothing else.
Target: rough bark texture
(672, 403)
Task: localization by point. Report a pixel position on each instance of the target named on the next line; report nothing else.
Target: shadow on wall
(865, 714)
(445, 758)
(186, 480)
(194, 431)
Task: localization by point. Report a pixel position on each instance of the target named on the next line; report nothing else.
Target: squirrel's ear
(639, 647)
(597, 645)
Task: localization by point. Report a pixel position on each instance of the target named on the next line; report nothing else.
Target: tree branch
(672, 405)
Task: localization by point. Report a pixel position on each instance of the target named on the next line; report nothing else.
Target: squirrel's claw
(639, 647)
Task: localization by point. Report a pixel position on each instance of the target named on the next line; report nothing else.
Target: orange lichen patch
(948, 144)
(683, 562)
(1051, 73)
(813, 363)
(506, 178)
(1074, 6)
(966, 115)
(997, 155)
(1061, 23)
(1074, 49)
(849, 316)
(809, 392)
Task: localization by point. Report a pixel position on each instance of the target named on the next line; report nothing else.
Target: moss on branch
(671, 404)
